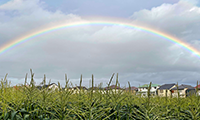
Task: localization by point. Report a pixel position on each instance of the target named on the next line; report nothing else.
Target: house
(183, 90)
(132, 90)
(52, 86)
(198, 90)
(165, 90)
(143, 90)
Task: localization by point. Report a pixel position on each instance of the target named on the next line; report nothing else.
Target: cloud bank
(137, 56)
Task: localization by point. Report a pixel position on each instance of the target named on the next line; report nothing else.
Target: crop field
(30, 103)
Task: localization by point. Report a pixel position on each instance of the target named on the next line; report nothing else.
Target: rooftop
(166, 86)
(182, 86)
(197, 86)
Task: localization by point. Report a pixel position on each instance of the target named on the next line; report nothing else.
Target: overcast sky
(137, 56)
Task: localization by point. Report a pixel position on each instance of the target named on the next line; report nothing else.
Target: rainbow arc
(163, 35)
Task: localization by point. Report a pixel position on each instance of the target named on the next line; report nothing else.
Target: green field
(30, 103)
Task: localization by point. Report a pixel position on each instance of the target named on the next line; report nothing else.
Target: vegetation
(28, 103)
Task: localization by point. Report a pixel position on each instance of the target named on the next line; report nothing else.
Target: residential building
(143, 90)
(165, 90)
(52, 86)
(183, 90)
(198, 90)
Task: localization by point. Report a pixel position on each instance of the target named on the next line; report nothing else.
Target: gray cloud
(137, 56)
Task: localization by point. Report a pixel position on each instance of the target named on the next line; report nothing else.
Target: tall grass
(28, 103)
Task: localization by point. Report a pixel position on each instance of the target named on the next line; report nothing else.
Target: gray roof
(181, 87)
(166, 86)
(45, 86)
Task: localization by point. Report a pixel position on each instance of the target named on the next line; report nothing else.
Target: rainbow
(28, 37)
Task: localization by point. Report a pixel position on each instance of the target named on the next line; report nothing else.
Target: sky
(101, 50)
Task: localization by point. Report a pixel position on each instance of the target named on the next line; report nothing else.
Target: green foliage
(30, 103)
